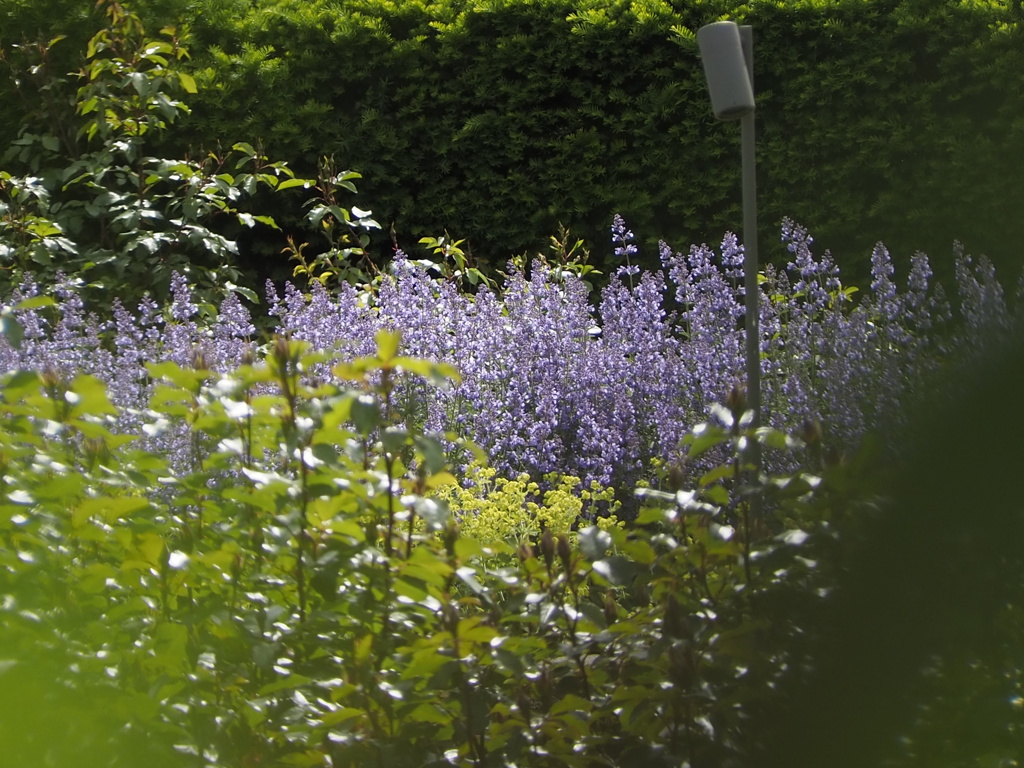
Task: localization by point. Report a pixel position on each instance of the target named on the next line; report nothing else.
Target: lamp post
(727, 52)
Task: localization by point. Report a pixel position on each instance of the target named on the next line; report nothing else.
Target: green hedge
(899, 120)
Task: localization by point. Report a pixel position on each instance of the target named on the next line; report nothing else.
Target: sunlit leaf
(617, 570)
(188, 82)
(594, 542)
(387, 344)
(110, 509)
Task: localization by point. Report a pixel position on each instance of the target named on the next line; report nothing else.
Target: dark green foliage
(30, 96)
(288, 589)
(919, 661)
(88, 196)
(93, 200)
(267, 574)
(897, 120)
(896, 117)
(499, 122)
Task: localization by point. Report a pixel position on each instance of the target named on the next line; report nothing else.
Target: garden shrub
(271, 601)
(491, 508)
(266, 571)
(88, 197)
(890, 119)
(223, 550)
(551, 383)
(554, 383)
(917, 662)
(271, 562)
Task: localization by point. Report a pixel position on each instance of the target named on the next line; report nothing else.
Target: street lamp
(727, 52)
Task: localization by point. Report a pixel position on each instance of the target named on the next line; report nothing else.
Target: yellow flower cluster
(499, 509)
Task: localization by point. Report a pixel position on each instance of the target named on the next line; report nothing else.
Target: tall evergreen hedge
(496, 120)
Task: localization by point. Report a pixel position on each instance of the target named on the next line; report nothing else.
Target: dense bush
(283, 583)
(890, 119)
(897, 120)
(91, 195)
(920, 664)
(270, 598)
(219, 549)
(550, 382)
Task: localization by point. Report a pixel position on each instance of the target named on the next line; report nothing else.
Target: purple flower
(549, 381)
(622, 239)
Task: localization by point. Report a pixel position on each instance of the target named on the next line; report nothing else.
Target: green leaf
(266, 221)
(509, 660)
(110, 509)
(428, 567)
(617, 570)
(435, 373)
(572, 703)
(640, 550)
(387, 344)
(394, 439)
(472, 630)
(717, 473)
(651, 515)
(688, 501)
(466, 549)
(434, 512)
(410, 589)
(594, 542)
(365, 413)
(248, 293)
(289, 183)
(340, 715)
(18, 384)
(89, 395)
(704, 437)
(775, 438)
(188, 82)
(426, 661)
(149, 546)
(285, 683)
(429, 713)
(440, 479)
(467, 575)
(432, 453)
(716, 494)
(185, 378)
(11, 330)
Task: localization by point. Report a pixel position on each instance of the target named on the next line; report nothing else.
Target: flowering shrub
(282, 583)
(258, 534)
(554, 383)
(551, 382)
(215, 552)
(494, 509)
(301, 598)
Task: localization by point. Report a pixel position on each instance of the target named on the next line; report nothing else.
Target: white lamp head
(725, 66)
